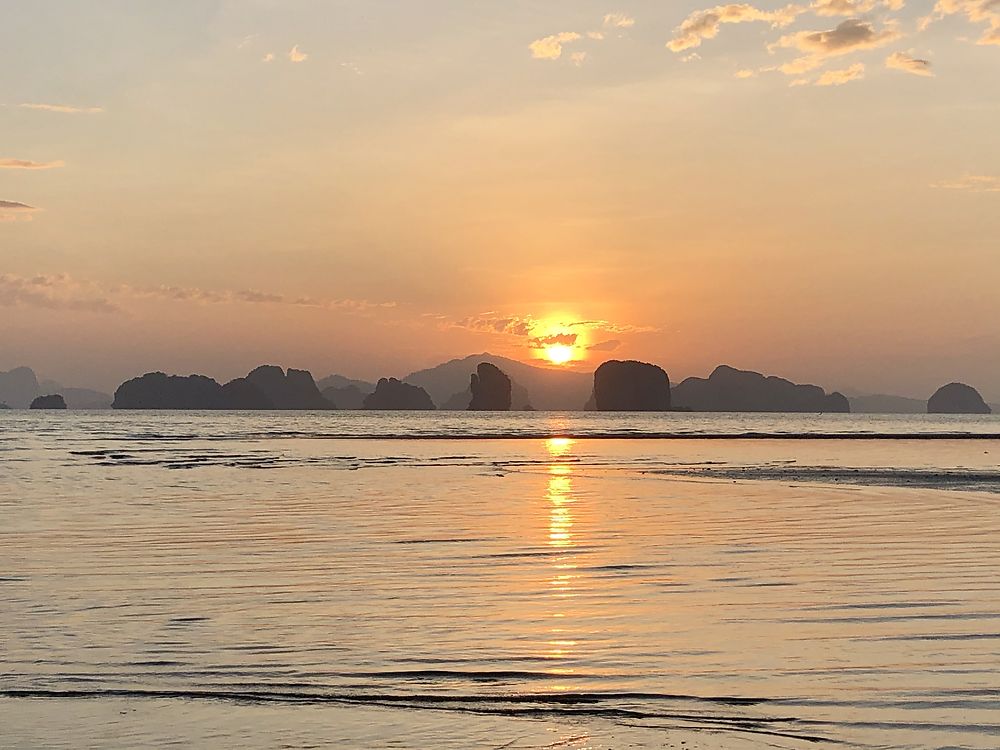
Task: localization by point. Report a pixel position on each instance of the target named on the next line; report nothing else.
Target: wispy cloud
(973, 183)
(605, 346)
(542, 333)
(296, 55)
(55, 292)
(68, 109)
(975, 11)
(705, 24)
(492, 322)
(64, 292)
(842, 7)
(551, 47)
(840, 77)
(610, 327)
(25, 164)
(618, 21)
(909, 64)
(251, 297)
(14, 211)
(555, 339)
(850, 36)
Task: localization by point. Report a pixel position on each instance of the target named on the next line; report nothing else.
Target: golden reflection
(558, 446)
(560, 514)
(561, 584)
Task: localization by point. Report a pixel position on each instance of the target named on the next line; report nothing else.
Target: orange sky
(811, 190)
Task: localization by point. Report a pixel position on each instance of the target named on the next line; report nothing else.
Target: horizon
(364, 190)
(578, 367)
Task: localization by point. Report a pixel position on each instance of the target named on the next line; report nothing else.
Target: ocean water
(424, 580)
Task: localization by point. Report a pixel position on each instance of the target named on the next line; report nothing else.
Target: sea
(504, 580)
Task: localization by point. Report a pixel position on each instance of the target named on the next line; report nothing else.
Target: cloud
(14, 211)
(551, 47)
(578, 58)
(491, 322)
(618, 21)
(68, 109)
(908, 64)
(849, 36)
(605, 346)
(745, 73)
(269, 57)
(842, 7)
(555, 339)
(840, 77)
(705, 24)
(976, 11)
(609, 327)
(530, 327)
(296, 55)
(58, 292)
(25, 164)
(972, 183)
(251, 297)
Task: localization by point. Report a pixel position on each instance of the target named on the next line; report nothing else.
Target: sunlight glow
(559, 354)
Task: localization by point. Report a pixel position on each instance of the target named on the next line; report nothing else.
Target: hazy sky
(371, 187)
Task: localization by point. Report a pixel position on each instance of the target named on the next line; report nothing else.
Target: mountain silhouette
(157, 390)
(18, 387)
(547, 388)
(882, 403)
(729, 389)
(293, 390)
(266, 387)
(631, 386)
(348, 397)
(340, 382)
(957, 398)
(394, 395)
(51, 401)
(490, 389)
(241, 394)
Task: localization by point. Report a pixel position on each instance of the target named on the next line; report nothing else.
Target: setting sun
(559, 354)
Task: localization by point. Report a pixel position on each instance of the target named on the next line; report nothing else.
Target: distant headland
(481, 382)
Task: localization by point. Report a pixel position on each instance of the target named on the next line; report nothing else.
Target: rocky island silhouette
(485, 383)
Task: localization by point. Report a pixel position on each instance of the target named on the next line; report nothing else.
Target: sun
(559, 354)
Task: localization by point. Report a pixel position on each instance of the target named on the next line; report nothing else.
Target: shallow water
(279, 579)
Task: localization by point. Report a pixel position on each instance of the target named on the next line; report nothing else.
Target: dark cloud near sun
(605, 346)
(555, 339)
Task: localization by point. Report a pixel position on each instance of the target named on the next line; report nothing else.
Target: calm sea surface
(446, 580)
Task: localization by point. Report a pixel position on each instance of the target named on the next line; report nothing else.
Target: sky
(808, 189)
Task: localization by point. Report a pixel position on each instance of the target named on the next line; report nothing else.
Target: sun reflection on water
(559, 500)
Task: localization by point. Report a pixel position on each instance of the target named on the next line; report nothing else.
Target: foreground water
(459, 581)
